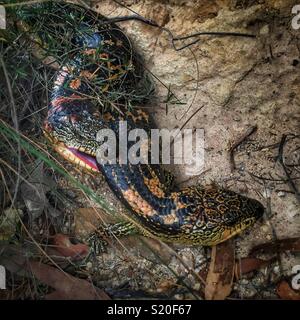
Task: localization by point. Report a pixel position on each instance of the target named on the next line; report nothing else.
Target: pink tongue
(89, 160)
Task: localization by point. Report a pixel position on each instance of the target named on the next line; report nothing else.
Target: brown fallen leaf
(15, 259)
(66, 248)
(34, 191)
(56, 295)
(165, 285)
(243, 266)
(67, 287)
(289, 244)
(221, 271)
(247, 265)
(151, 246)
(285, 292)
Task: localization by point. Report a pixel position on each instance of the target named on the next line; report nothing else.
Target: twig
(290, 181)
(197, 84)
(275, 145)
(270, 179)
(185, 123)
(189, 119)
(174, 39)
(237, 143)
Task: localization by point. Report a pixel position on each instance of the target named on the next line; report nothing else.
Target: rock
(265, 228)
(267, 193)
(9, 219)
(276, 270)
(197, 286)
(240, 81)
(264, 30)
(281, 194)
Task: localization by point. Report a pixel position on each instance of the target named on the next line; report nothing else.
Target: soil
(241, 83)
(226, 86)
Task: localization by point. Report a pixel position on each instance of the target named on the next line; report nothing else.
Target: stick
(290, 181)
(137, 16)
(237, 143)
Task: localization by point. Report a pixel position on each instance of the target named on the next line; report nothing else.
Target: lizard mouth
(78, 157)
(71, 154)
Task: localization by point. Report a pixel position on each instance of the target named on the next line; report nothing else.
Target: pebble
(197, 286)
(244, 281)
(242, 166)
(265, 228)
(237, 118)
(281, 194)
(89, 265)
(266, 193)
(276, 270)
(259, 280)
(250, 293)
(188, 259)
(264, 30)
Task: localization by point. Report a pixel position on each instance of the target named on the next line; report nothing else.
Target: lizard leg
(97, 240)
(168, 179)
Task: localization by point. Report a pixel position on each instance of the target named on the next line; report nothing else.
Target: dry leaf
(34, 190)
(289, 244)
(285, 292)
(246, 265)
(149, 246)
(221, 271)
(66, 248)
(15, 259)
(165, 285)
(9, 219)
(67, 287)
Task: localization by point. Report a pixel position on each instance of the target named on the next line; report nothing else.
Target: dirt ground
(240, 83)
